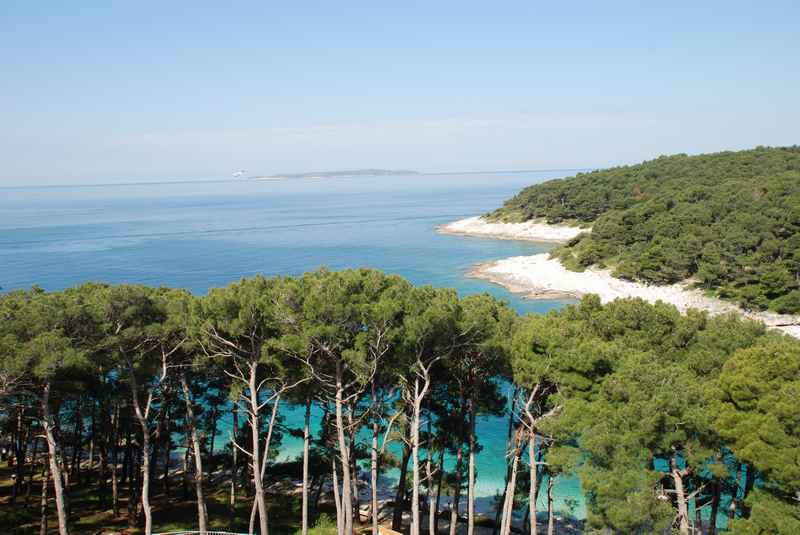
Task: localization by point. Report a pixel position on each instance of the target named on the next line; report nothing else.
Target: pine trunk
(512, 412)
(43, 502)
(439, 490)
(337, 499)
(551, 518)
(534, 490)
(400, 495)
(508, 504)
(415, 482)
(373, 469)
(429, 479)
(145, 472)
(344, 456)
(214, 415)
(55, 470)
(103, 470)
(458, 468)
(712, 525)
(75, 466)
(167, 452)
(471, 483)
(680, 497)
(63, 464)
(354, 467)
(234, 454)
(698, 516)
(32, 473)
(318, 493)
(456, 491)
(260, 499)
(134, 490)
(306, 447)
(114, 462)
(92, 435)
(202, 514)
(187, 453)
(735, 497)
(126, 455)
(20, 452)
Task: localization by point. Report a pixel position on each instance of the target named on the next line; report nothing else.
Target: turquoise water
(199, 235)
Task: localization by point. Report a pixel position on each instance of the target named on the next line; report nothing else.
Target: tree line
(730, 220)
(665, 418)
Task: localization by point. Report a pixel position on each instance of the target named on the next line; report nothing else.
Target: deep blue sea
(203, 234)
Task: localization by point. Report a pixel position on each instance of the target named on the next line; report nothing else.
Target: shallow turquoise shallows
(199, 235)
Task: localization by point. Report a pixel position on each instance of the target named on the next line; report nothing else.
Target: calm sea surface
(199, 235)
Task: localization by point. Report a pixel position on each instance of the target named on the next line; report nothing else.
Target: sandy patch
(542, 277)
(528, 231)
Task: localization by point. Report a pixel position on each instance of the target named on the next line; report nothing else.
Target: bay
(203, 234)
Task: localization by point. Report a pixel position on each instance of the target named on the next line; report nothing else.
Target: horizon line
(217, 180)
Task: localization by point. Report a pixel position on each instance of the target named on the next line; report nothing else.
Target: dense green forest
(730, 220)
(667, 419)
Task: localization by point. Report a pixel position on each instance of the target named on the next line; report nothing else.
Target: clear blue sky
(114, 91)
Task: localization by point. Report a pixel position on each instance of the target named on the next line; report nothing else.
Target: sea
(209, 233)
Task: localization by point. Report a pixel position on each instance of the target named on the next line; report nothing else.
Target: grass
(325, 525)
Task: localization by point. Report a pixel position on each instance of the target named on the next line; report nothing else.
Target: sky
(104, 92)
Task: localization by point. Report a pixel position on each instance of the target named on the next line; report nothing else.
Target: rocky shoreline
(542, 277)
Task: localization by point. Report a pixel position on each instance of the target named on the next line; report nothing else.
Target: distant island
(339, 174)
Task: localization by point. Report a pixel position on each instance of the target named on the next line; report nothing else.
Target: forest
(668, 420)
(728, 221)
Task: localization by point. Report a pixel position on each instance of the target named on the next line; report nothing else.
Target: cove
(204, 234)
